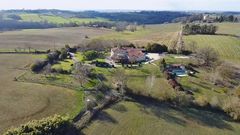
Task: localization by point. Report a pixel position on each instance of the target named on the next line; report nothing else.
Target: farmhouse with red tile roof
(127, 55)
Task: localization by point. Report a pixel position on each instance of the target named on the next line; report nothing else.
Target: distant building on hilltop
(127, 55)
(209, 19)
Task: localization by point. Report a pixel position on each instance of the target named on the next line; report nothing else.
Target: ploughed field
(21, 102)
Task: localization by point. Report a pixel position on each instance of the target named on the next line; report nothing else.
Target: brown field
(21, 102)
(57, 37)
(160, 33)
(47, 38)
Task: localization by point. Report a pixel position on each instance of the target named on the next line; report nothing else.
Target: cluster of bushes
(98, 24)
(232, 107)
(173, 82)
(55, 125)
(13, 25)
(156, 48)
(225, 75)
(226, 18)
(38, 65)
(52, 57)
(189, 29)
(91, 55)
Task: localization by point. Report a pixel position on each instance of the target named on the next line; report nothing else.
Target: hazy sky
(216, 5)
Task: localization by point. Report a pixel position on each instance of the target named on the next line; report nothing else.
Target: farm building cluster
(127, 55)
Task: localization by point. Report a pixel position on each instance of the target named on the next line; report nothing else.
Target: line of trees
(224, 18)
(13, 25)
(190, 29)
(156, 48)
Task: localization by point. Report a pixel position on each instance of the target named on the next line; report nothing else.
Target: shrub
(156, 48)
(201, 101)
(237, 92)
(207, 56)
(173, 83)
(63, 54)
(232, 107)
(61, 71)
(182, 99)
(53, 56)
(91, 55)
(55, 125)
(38, 65)
(214, 102)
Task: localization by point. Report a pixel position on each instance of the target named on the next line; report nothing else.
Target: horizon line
(120, 10)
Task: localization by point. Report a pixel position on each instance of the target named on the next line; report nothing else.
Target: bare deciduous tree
(47, 70)
(121, 26)
(193, 46)
(207, 56)
(150, 81)
(133, 27)
(81, 73)
(120, 80)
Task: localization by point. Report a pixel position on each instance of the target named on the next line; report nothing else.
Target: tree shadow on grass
(202, 85)
(105, 117)
(206, 117)
(119, 107)
(168, 112)
(161, 111)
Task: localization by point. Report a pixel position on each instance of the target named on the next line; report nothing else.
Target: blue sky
(210, 5)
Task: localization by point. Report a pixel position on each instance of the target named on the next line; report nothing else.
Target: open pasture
(146, 117)
(57, 19)
(229, 28)
(228, 47)
(160, 33)
(44, 39)
(22, 102)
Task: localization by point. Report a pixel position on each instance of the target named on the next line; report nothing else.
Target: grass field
(43, 39)
(146, 80)
(47, 38)
(58, 19)
(21, 102)
(145, 118)
(229, 28)
(65, 65)
(160, 33)
(228, 47)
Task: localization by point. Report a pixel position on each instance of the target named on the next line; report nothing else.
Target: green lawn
(146, 80)
(227, 47)
(57, 19)
(65, 65)
(145, 118)
(199, 84)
